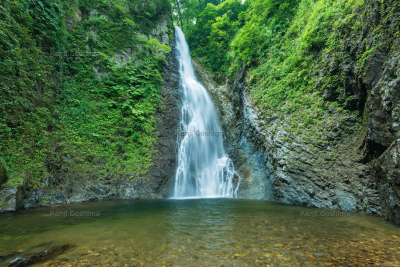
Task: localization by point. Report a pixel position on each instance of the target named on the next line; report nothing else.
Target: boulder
(11, 197)
(387, 172)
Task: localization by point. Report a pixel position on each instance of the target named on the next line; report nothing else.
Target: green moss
(51, 97)
(284, 45)
(44, 202)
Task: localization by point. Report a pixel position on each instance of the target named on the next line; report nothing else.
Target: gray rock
(11, 197)
(387, 172)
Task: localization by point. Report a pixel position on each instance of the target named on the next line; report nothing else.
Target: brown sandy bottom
(197, 232)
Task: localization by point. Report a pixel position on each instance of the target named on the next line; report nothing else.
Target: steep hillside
(308, 93)
(83, 97)
(309, 97)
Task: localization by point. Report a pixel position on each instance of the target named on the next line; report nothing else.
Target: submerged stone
(29, 259)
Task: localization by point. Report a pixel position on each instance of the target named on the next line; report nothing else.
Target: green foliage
(111, 120)
(265, 24)
(79, 104)
(284, 74)
(209, 26)
(185, 12)
(48, 22)
(27, 83)
(281, 44)
(209, 38)
(144, 13)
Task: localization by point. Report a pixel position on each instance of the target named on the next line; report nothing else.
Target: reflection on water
(199, 232)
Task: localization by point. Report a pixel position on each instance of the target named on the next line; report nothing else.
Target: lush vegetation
(80, 80)
(66, 104)
(285, 77)
(210, 27)
(283, 45)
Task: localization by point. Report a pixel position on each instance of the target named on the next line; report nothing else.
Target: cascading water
(204, 169)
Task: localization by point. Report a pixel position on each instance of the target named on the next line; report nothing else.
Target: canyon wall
(70, 187)
(352, 167)
(69, 167)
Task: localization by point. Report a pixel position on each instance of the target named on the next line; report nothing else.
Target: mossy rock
(11, 198)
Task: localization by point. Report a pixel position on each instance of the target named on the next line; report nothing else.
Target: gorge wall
(100, 123)
(345, 161)
(308, 94)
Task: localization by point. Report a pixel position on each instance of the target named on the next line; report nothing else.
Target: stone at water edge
(387, 172)
(11, 197)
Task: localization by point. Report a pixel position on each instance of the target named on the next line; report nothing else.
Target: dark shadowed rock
(387, 172)
(3, 173)
(162, 173)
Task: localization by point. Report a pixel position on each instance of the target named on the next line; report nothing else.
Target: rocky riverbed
(196, 232)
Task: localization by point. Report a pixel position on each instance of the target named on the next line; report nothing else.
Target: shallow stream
(198, 232)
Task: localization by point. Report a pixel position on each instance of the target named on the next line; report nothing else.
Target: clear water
(204, 170)
(199, 232)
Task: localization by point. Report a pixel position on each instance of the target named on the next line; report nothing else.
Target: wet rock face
(387, 172)
(382, 121)
(76, 190)
(375, 85)
(162, 174)
(371, 73)
(278, 166)
(242, 144)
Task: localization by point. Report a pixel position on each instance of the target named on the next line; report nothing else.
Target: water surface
(200, 232)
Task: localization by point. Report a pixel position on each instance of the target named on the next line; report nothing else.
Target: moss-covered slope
(81, 86)
(310, 95)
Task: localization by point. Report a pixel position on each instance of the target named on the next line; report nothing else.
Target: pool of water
(198, 232)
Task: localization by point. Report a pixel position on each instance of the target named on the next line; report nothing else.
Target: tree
(177, 6)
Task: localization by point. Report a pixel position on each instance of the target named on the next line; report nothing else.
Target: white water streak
(204, 170)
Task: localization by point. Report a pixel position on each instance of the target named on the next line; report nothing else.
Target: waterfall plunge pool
(198, 232)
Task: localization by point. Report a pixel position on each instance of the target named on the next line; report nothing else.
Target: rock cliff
(356, 169)
(64, 183)
(64, 187)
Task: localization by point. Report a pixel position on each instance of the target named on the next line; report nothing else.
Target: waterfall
(204, 170)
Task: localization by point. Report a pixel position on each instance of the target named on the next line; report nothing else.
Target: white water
(204, 170)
